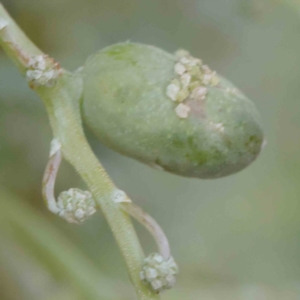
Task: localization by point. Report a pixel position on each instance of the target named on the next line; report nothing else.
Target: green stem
(62, 103)
(15, 43)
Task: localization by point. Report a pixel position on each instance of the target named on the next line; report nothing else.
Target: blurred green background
(236, 238)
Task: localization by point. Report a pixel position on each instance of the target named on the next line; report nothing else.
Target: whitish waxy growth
(182, 110)
(158, 273)
(191, 81)
(40, 72)
(172, 91)
(170, 111)
(76, 205)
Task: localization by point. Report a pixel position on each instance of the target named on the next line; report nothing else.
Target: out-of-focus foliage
(235, 238)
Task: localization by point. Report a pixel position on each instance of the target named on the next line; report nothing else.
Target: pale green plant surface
(62, 103)
(243, 228)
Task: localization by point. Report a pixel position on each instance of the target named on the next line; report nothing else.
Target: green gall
(170, 111)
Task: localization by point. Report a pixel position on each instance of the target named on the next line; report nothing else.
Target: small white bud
(185, 60)
(49, 74)
(41, 65)
(119, 196)
(69, 207)
(172, 91)
(151, 273)
(182, 111)
(158, 259)
(3, 23)
(190, 61)
(54, 147)
(34, 75)
(158, 272)
(79, 214)
(76, 205)
(199, 93)
(36, 62)
(185, 79)
(179, 69)
(156, 285)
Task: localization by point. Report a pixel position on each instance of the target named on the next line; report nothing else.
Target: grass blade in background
(42, 240)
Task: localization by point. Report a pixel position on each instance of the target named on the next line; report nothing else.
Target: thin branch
(49, 180)
(152, 226)
(14, 42)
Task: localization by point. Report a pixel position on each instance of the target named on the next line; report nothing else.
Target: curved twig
(151, 225)
(50, 177)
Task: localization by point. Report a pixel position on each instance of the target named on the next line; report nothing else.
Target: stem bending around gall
(62, 103)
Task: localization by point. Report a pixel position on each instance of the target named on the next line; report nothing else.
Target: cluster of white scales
(191, 82)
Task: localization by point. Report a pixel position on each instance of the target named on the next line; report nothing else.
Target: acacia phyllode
(169, 111)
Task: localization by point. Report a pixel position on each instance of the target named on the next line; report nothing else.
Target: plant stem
(64, 117)
(152, 226)
(62, 103)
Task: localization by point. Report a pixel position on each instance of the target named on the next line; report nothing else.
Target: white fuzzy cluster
(76, 205)
(39, 72)
(192, 81)
(158, 273)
